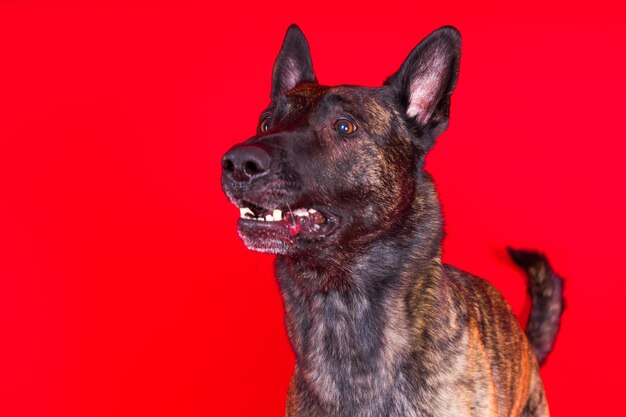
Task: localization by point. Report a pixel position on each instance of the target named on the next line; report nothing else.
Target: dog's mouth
(281, 230)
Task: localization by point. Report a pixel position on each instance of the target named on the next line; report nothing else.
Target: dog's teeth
(244, 211)
(301, 212)
(278, 215)
(269, 218)
(312, 211)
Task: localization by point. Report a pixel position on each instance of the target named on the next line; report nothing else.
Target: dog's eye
(345, 126)
(265, 125)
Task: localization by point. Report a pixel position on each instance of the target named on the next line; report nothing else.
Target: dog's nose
(246, 162)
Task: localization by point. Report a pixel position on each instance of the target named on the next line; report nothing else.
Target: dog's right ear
(293, 65)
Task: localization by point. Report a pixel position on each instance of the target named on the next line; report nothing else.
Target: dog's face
(336, 166)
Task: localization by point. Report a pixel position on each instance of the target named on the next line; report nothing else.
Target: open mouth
(276, 230)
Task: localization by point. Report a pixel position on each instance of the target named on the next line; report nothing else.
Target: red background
(124, 290)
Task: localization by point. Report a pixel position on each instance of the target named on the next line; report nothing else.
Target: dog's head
(332, 166)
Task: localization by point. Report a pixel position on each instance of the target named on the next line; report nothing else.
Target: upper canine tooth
(312, 211)
(269, 218)
(278, 215)
(245, 210)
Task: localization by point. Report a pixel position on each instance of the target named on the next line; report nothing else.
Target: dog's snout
(246, 162)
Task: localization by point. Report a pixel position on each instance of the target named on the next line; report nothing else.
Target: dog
(333, 183)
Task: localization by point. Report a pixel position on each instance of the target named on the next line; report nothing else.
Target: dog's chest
(351, 355)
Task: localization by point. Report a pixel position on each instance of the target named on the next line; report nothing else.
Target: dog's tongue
(294, 227)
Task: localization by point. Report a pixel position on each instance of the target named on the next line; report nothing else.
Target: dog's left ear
(293, 65)
(427, 79)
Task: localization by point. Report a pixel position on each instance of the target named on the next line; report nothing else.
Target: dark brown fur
(379, 326)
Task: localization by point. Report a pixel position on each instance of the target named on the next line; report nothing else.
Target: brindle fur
(379, 326)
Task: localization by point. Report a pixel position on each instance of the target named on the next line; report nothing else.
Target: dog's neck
(349, 319)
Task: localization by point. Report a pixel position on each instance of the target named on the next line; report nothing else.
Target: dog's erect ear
(293, 65)
(427, 78)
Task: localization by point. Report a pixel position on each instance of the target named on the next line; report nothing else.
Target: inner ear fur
(425, 81)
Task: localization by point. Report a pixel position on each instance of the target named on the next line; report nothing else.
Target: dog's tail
(546, 292)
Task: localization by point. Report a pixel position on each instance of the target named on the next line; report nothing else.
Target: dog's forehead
(300, 100)
(309, 95)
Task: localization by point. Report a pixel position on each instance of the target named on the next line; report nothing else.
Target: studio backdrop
(124, 288)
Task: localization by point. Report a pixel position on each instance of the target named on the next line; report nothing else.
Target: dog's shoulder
(484, 302)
